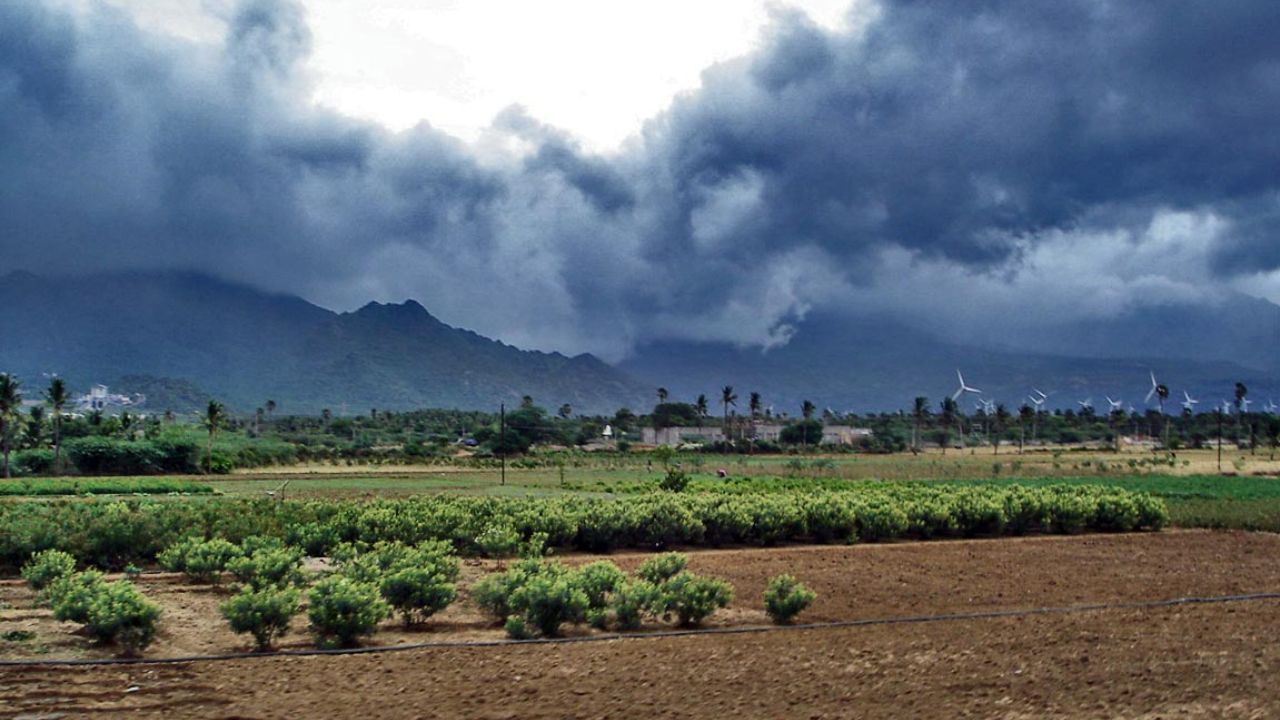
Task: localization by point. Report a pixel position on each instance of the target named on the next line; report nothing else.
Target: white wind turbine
(1188, 402)
(1115, 404)
(1271, 406)
(963, 389)
(1085, 404)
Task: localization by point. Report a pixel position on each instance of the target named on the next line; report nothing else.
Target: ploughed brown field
(1185, 661)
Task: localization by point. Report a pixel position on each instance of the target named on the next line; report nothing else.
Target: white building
(101, 398)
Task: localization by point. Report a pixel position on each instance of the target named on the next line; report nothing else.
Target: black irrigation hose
(444, 644)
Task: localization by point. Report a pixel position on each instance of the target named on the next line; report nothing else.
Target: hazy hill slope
(245, 346)
(880, 365)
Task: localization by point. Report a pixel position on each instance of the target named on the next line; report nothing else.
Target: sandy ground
(1185, 661)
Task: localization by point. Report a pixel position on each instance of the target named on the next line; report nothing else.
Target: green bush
(549, 600)
(268, 567)
(206, 560)
(47, 566)
(342, 610)
(417, 592)
(786, 597)
(691, 598)
(631, 600)
(660, 568)
(597, 580)
(493, 593)
(174, 557)
(674, 481)
(516, 628)
(70, 596)
(264, 612)
(498, 541)
(119, 614)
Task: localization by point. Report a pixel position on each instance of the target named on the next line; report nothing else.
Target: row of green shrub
(102, 486)
(113, 534)
(110, 612)
(164, 455)
(535, 596)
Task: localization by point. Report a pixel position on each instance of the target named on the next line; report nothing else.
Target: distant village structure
(770, 432)
(101, 398)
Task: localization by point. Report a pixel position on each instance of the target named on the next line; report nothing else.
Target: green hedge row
(111, 534)
(103, 486)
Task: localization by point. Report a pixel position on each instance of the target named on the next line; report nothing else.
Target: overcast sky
(585, 176)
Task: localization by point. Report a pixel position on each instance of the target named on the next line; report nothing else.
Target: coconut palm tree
(565, 411)
(10, 406)
(1001, 420)
(663, 395)
(57, 397)
(1241, 393)
(920, 412)
(756, 404)
(35, 427)
(727, 397)
(947, 415)
(214, 416)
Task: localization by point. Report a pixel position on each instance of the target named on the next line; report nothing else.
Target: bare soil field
(1216, 660)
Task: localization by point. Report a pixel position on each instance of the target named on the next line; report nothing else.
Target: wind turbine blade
(957, 394)
(1150, 392)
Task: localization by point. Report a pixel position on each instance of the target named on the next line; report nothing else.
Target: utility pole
(1219, 440)
(502, 441)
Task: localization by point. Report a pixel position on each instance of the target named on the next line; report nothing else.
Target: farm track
(1179, 661)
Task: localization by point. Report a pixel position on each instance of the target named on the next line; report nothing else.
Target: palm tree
(663, 395)
(57, 397)
(807, 409)
(700, 406)
(1026, 413)
(1002, 418)
(35, 427)
(213, 419)
(10, 406)
(948, 414)
(755, 404)
(920, 412)
(565, 411)
(1241, 393)
(727, 398)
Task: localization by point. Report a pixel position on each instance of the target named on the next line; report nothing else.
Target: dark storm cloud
(959, 134)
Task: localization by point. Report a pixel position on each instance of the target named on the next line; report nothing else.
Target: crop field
(1201, 660)
(1050, 585)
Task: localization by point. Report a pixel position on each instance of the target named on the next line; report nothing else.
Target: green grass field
(1195, 496)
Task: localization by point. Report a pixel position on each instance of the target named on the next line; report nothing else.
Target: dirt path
(1186, 661)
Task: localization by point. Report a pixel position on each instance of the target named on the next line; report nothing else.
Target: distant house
(101, 398)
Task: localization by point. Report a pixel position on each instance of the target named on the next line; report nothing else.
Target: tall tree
(35, 428)
(947, 415)
(807, 408)
(727, 398)
(1001, 420)
(1241, 393)
(756, 404)
(214, 416)
(920, 412)
(565, 411)
(271, 409)
(57, 397)
(663, 395)
(10, 407)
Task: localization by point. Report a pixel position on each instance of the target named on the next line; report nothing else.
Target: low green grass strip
(100, 486)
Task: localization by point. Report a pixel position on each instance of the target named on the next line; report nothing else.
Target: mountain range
(183, 337)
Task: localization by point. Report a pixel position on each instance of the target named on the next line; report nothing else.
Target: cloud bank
(942, 161)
